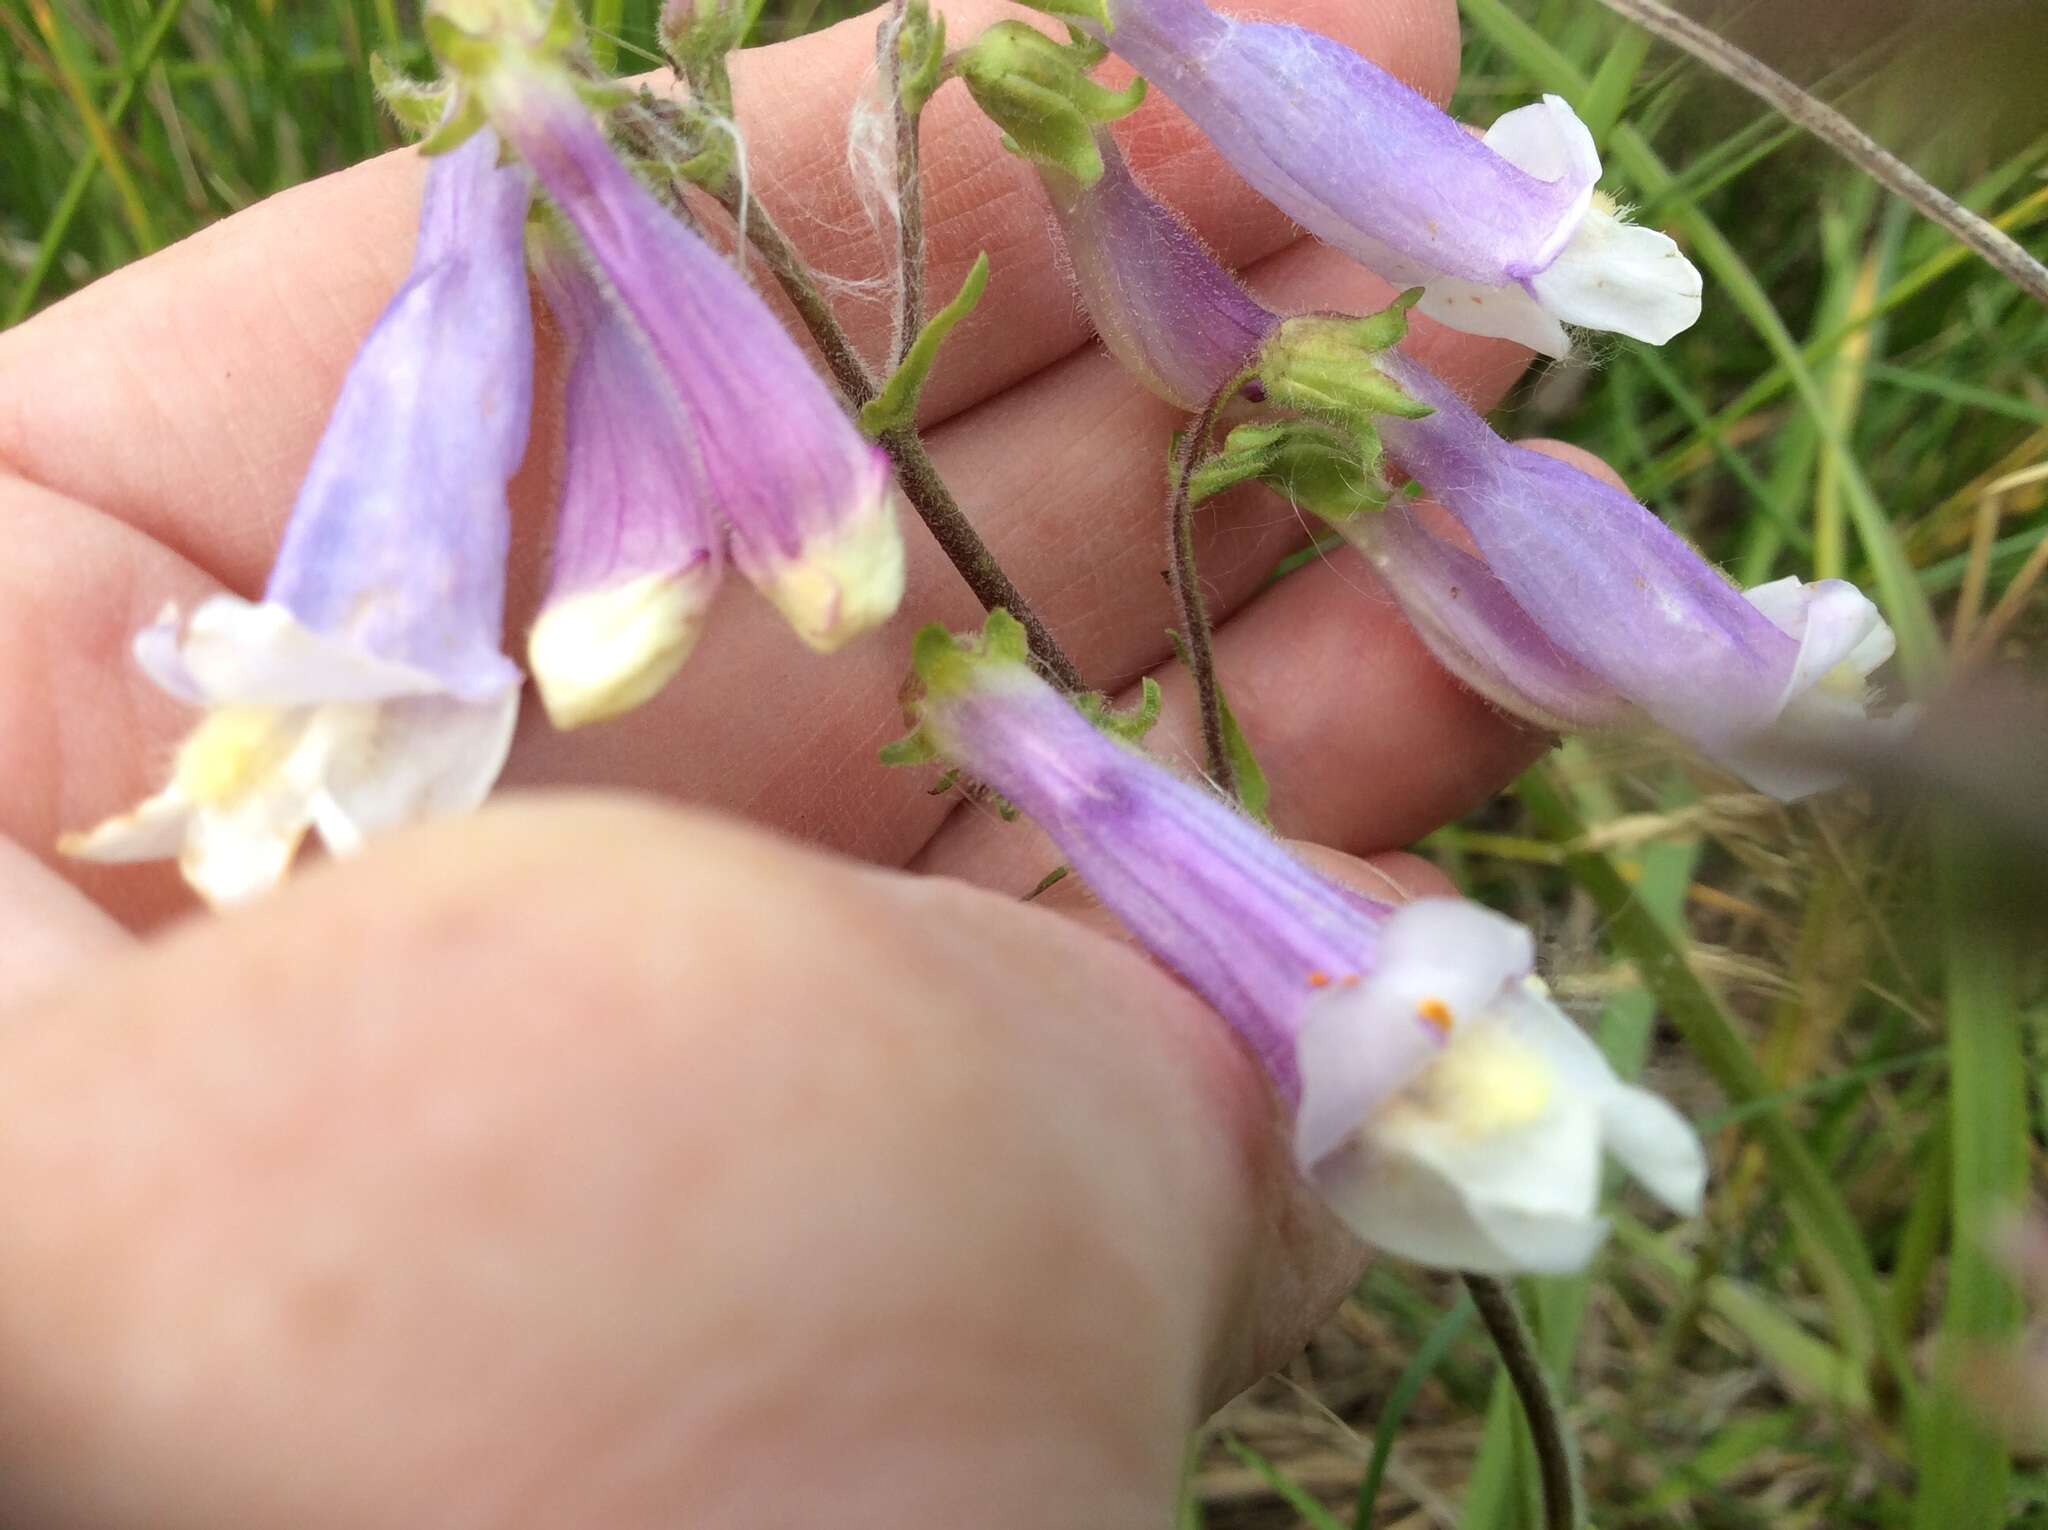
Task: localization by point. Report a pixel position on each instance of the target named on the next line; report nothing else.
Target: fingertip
(1578, 457)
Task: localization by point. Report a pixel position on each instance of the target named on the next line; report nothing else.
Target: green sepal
(420, 106)
(1096, 11)
(1324, 365)
(704, 36)
(1330, 472)
(465, 117)
(1130, 724)
(470, 38)
(1048, 882)
(896, 405)
(1254, 791)
(1038, 92)
(921, 56)
(911, 749)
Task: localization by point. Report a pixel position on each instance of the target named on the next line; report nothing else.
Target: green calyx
(474, 41)
(945, 665)
(698, 37)
(1326, 366)
(1039, 93)
(1332, 473)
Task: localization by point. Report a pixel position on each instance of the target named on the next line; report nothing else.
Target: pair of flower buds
(1442, 1102)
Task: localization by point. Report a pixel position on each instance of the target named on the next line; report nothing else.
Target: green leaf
(1422, 1365)
(896, 405)
(419, 106)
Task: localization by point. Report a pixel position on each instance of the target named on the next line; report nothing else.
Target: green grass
(1807, 981)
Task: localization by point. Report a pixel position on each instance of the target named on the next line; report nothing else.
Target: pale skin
(674, 1158)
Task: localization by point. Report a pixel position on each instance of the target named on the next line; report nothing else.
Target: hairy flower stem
(1187, 592)
(2001, 250)
(909, 187)
(915, 471)
(1517, 1347)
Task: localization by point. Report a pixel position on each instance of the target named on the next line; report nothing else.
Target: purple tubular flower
(367, 688)
(1443, 1105)
(637, 554)
(1626, 611)
(1581, 610)
(1160, 303)
(1506, 233)
(809, 504)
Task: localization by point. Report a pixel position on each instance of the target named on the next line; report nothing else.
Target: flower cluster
(367, 688)
(1440, 1100)
(1550, 592)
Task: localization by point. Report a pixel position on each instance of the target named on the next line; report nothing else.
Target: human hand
(309, 1096)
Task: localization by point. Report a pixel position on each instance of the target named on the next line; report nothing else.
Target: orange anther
(1319, 980)
(1436, 1012)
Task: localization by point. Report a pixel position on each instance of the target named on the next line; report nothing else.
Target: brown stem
(1517, 1348)
(915, 471)
(1851, 142)
(909, 188)
(957, 538)
(1187, 594)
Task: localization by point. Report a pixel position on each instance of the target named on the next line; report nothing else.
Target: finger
(184, 394)
(589, 1164)
(53, 930)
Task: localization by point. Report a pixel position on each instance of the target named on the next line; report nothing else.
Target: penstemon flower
(1506, 234)
(1443, 1105)
(1586, 605)
(637, 554)
(808, 503)
(367, 688)
(1570, 605)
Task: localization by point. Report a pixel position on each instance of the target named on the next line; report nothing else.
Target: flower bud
(1176, 320)
(637, 556)
(807, 502)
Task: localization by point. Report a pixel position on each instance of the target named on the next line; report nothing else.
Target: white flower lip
(598, 653)
(846, 580)
(302, 734)
(1601, 272)
(1487, 1156)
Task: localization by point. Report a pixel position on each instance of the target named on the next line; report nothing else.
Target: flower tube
(367, 688)
(1566, 602)
(1506, 234)
(1626, 609)
(808, 503)
(637, 554)
(1443, 1105)
(1162, 306)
